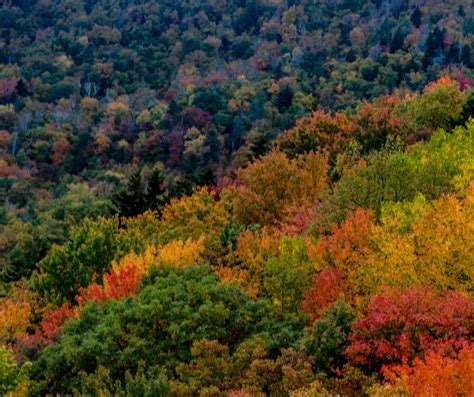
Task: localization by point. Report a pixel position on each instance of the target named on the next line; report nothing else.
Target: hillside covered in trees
(340, 263)
(236, 198)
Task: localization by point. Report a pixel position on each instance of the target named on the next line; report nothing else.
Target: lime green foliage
(401, 215)
(444, 164)
(92, 247)
(451, 152)
(286, 277)
(13, 378)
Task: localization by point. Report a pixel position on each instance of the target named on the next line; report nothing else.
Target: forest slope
(338, 263)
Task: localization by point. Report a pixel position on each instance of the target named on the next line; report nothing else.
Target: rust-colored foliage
(7, 87)
(319, 131)
(297, 220)
(60, 149)
(342, 249)
(238, 277)
(122, 281)
(375, 122)
(12, 171)
(53, 322)
(5, 139)
(267, 187)
(27, 345)
(415, 244)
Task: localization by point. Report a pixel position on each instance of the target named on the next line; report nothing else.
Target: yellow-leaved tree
(438, 249)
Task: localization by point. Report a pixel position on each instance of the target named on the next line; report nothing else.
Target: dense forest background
(236, 197)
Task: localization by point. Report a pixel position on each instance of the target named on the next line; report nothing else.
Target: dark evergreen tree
(351, 56)
(454, 54)
(397, 41)
(130, 200)
(384, 33)
(467, 110)
(466, 58)
(155, 196)
(434, 45)
(136, 198)
(249, 18)
(21, 88)
(416, 17)
(284, 98)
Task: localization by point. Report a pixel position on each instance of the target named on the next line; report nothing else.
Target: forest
(237, 198)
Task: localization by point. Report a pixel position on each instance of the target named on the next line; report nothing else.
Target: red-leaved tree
(401, 326)
(117, 284)
(27, 345)
(328, 286)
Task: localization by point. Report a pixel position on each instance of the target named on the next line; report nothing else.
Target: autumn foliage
(15, 313)
(29, 345)
(116, 285)
(328, 286)
(316, 132)
(426, 253)
(437, 375)
(401, 326)
(125, 276)
(344, 246)
(267, 187)
(338, 263)
(60, 149)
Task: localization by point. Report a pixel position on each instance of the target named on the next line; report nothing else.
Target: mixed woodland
(237, 198)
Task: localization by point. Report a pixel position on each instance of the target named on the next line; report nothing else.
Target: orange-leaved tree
(436, 375)
(15, 313)
(268, 186)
